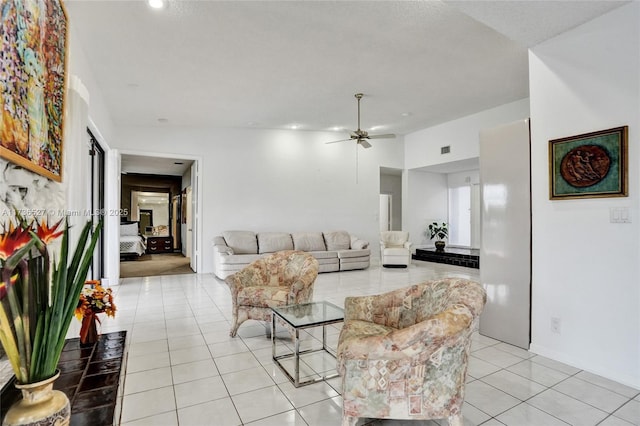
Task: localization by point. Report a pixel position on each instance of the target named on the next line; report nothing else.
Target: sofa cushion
(324, 254)
(337, 240)
(396, 251)
(308, 241)
(219, 241)
(240, 259)
(271, 242)
(343, 254)
(242, 242)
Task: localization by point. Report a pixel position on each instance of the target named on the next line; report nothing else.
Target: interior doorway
(97, 194)
(386, 212)
(390, 215)
(168, 241)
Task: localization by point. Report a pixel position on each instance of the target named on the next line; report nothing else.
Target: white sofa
(335, 250)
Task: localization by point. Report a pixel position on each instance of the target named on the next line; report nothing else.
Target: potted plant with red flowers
(38, 297)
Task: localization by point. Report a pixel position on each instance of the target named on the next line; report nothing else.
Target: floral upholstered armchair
(404, 354)
(282, 278)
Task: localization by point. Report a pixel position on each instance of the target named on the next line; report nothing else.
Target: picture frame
(32, 95)
(590, 165)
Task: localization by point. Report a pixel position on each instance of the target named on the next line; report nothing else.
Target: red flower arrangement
(93, 300)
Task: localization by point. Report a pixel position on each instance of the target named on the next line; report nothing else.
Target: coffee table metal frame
(306, 322)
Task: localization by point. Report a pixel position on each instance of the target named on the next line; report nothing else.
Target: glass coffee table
(299, 317)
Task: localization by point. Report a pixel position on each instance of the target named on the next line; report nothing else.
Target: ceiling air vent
(445, 149)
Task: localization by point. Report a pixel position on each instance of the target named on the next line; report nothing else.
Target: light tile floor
(184, 369)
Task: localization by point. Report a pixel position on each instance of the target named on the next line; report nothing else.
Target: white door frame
(196, 181)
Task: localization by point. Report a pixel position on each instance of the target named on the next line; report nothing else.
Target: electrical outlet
(555, 325)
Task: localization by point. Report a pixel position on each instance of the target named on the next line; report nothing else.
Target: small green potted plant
(439, 231)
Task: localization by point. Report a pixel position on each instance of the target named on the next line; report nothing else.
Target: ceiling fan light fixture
(360, 136)
(156, 4)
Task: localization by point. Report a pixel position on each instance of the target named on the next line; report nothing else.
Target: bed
(131, 242)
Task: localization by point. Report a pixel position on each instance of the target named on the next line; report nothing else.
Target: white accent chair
(395, 249)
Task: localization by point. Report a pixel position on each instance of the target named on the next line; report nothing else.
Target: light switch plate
(619, 215)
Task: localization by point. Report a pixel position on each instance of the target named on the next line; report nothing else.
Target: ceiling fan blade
(341, 140)
(364, 143)
(387, 136)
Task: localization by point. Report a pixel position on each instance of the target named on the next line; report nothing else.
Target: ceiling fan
(361, 136)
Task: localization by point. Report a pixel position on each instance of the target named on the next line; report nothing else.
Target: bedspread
(130, 244)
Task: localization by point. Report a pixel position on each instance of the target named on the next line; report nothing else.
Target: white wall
(471, 218)
(276, 180)
(427, 202)
(585, 269)
(102, 128)
(422, 148)
(79, 66)
(468, 178)
(73, 193)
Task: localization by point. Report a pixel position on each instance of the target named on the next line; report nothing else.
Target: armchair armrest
(223, 249)
(425, 338)
(407, 245)
(300, 285)
(220, 246)
(247, 277)
(376, 308)
(358, 244)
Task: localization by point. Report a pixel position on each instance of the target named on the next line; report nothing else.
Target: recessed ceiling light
(156, 4)
(337, 128)
(405, 114)
(163, 120)
(294, 127)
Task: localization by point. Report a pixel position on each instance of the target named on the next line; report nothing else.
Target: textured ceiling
(273, 64)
